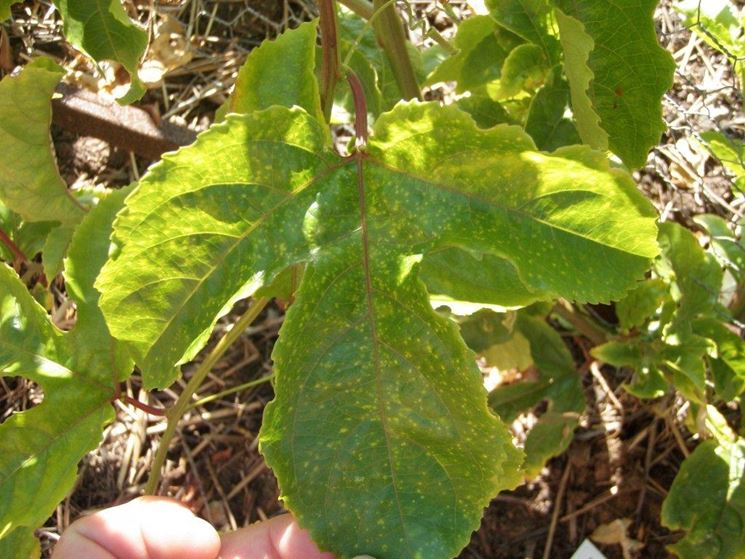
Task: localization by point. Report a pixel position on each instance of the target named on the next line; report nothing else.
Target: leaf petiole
(182, 404)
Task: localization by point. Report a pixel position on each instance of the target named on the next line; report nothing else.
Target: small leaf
(728, 367)
(29, 237)
(617, 73)
(262, 82)
(696, 274)
(482, 48)
(730, 153)
(546, 123)
(103, 30)
(728, 249)
(530, 19)
(524, 69)
(640, 304)
(559, 382)
(485, 111)
(31, 184)
(707, 500)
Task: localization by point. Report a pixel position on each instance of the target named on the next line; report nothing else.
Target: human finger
(146, 528)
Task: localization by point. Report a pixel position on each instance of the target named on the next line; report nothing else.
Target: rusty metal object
(130, 128)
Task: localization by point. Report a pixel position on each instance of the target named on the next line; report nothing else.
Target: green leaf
(730, 153)
(455, 274)
(20, 544)
(707, 500)
(718, 22)
(728, 366)
(546, 123)
(726, 247)
(398, 435)
(5, 8)
(482, 47)
(29, 237)
(31, 185)
(259, 192)
(529, 19)
(695, 273)
(648, 381)
(263, 82)
(617, 74)
(103, 30)
(559, 383)
(641, 303)
(484, 110)
(78, 371)
(524, 69)
(230, 214)
(55, 247)
(483, 329)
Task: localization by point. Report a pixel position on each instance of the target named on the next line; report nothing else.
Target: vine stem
(175, 413)
(389, 30)
(19, 254)
(329, 55)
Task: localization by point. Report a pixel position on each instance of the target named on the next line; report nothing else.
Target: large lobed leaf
(78, 371)
(617, 74)
(373, 387)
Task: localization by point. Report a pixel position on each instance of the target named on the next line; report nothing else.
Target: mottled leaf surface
(617, 73)
(30, 183)
(103, 30)
(262, 191)
(707, 500)
(40, 448)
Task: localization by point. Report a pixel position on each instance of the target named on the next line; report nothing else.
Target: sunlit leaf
(103, 30)
(78, 372)
(217, 220)
(31, 185)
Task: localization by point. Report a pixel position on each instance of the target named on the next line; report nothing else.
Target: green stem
(389, 30)
(175, 413)
(330, 73)
(362, 8)
(583, 325)
(229, 391)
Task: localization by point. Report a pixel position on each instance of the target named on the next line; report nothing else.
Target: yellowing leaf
(30, 183)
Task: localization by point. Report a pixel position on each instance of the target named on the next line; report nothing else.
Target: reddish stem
(329, 54)
(19, 254)
(360, 108)
(160, 412)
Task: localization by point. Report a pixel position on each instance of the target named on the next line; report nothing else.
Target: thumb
(278, 538)
(148, 527)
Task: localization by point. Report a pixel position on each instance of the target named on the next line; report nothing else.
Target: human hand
(160, 528)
